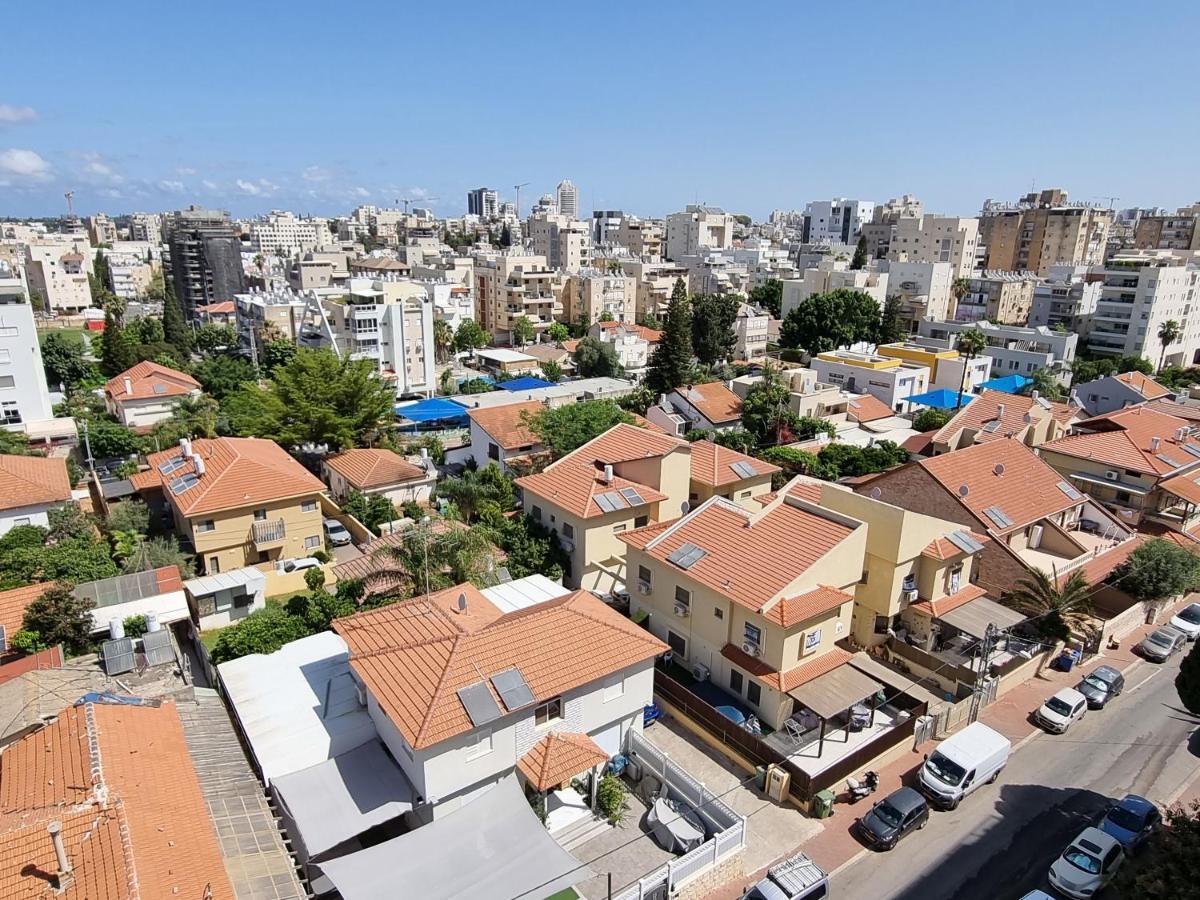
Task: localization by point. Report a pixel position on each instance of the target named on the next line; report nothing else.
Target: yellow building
(239, 501)
(945, 366)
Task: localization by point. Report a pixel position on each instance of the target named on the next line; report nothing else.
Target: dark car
(1101, 685)
(1131, 821)
(893, 817)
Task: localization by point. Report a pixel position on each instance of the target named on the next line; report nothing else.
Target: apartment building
(1066, 300)
(452, 301)
(946, 367)
(514, 284)
(884, 218)
(57, 268)
(286, 234)
(1012, 349)
(889, 379)
(1142, 290)
(622, 480)
(629, 342)
(101, 230)
(752, 330)
(565, 242)
(643, 238)
(205, 259)
(1115, 392)
(926, 290)
(1005, 298)
(567, 198)
(933, 238)
(830, 275)
(995, 416)
(482, 202)
(605, 224)
(1178, 231)
(238, 501)
(696, 229)
(264, 316)
(24, 395)
(1042, 230)
(591, 295)
(129, 276)
(147, 393)
(31, 486)
(146, 227)
(837, 221)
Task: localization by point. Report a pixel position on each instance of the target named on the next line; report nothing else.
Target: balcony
(265, 534)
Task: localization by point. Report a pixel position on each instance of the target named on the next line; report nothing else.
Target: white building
(830, 275)
(886, 378)
(101, 230)
(837, 221)
(933, 238)
(566, 243)
(452, 302)
(696, 229)
(285, 234)
(482, 202)
(567, 198)
(57, 268)
(129, 276)
(1066, 299)
(146, 227)
(628, 342)
(1141, 291)
(606, 225)
(24, 397)
(751, 327)
(1013, 349)
(925, 288)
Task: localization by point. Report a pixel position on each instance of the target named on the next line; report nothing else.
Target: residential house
(624, 479)
(633, 344)
(724, 472)
(888, 378)
(148, 393)
(501, 433)
(1005, 298)
(710, 407)
(946, 367)
(157, 593)
(864, 408)
(1031, 517)
(751, 330)
(12, 610)
(238, 501)
(219, 600)
(831, 274)
(551, 353)
(808, 395)
(379, 472)
(1114, 392)
(31, 486)
(464, 692)
(502, 361)
(995, 415)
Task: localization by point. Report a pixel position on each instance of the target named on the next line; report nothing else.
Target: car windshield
(1191, 614)
(1098, 683)
(948, 771)
(1082, 860)
(1058, 705)
(888, 814)
(1125, 818)
(1161, 638)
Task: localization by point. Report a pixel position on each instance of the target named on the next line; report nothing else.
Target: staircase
(578, 833)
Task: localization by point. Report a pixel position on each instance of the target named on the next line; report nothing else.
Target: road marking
(1144, 680)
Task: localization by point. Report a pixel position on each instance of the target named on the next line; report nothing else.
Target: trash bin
(1066, 662)
(822, 804)
(760, 777)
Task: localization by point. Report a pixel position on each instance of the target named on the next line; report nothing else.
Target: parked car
(1187, 620)
(336, 532)
(1087, 865)
(304, 562)
(962, 763)
(798, 878)
(1061, 711)
(1101, 685)
(1131, 821)
(1162, 643)
(1038, 895)
(893, 817)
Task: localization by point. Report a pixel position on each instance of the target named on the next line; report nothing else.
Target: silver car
(1162, 643)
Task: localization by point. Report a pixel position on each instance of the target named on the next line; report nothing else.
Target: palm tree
(1062, 607)
(430, 559)
(970, 345)
(443, 340)
(960, 287)
(1168, 333)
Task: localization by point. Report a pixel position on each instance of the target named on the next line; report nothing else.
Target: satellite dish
(963, 490)
(998, 469)
(876, 493)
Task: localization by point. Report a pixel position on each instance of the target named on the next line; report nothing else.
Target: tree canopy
(596, 359)
(768, 296)
(930, 419)
(175, 328)
(671, 364)
(64, 362)
(1166, 869)
(1187, 681)
(470, 336)
(59, 617)
(713, 317)
(860, 254)
(1158, 570)
(831, 320)
(565, 428)
(522, 330)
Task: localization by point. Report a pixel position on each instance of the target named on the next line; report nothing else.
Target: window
(744, 495)
(308, 506)
(9, 414)
(7, 381)
(550, 711)
(24, 520)
(206, 526)
(641, 521)
(214, 565)
(482, 745)
(677, 643)
(754, 693)
(735, 681)
(683, 596)
(753, 634)
(1123, 496)
(312, 542)
(568, 530)
(881, 624)
(614, 687)
(536, 512)
(644, 576)
(718, 613)
(493, 451)
(260, 515)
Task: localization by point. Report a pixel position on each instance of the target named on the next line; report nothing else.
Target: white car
(1087, 865)
(1058, 713)
(1187, 620)
(337, 533)
(304, 562)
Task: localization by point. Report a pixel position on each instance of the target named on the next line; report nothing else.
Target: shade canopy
(435, 409)
(836, 691)
(494, 846)
(941, 399)
(337, 800)
(524, 384)
(973, 618)
(1009, 384)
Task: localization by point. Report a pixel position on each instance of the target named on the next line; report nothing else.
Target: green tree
(713, 317)
(1168, 333)
(372, 510)
(552, 371)
(860, 254)
(970, 345)
(530, 548)
(1046, 384)
(558, 332)
(650, 320)
(795, 462)
(891, 321)
(639, 400)
(59, 617)
(1157, 570)
(476, 489)
(596, 359)
(64, 362)
(767, 416)
(506, 236)
(568, 427)
(221, 375)
(318, 608)
(277, 353)
(831, 320)
(37, 301)
(156, 291)
(119, 343)
(318, 399)
(852, 462)
(738, 439)
(470, 336)
(14, 443)
(1187, 682)
(108, 439)
(443, 340)
(930, 419)
(1058, 609)
(263, 631)
(213, 338)
(768, 296)
(158, 552)
(148, 330)
(175, 328)
(66, 522)
(128, 515)
(522, 331)
(671, 364)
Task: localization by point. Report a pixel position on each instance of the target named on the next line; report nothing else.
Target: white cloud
(316, 173)
(267, 186)
(210, 185)
(98, 169)
(12, 115)
(24, 164)
(112, 193)
(185, 170)
(171, 187)
(360, 192)
(417, 193)
(248, 187)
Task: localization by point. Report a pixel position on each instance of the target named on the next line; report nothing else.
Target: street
(1001, 841)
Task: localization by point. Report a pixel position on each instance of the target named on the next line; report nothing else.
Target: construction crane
(1111, 200)
(408, 201)
(70, 205)
(517, 188)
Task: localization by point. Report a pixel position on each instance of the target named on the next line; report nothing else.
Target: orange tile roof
(1185, 486)
(1143, 384)
(370, 468)
(416, 654)
(238, 472)
(943, 548)
(1096, 569)
(32, 481)
(506, 424)
(557, 758)
(1188, 411)
(712, 464)
(646, 334)
(1124, 438)
(573, 482)
(792, 678)
(1025, 490)
(797, 610)
(643, 422)
(867, 409)
(986, 408)
(918, 443)
(749, 558)
(121, 781)
(13, 603)
(225, 306)
(714, 401)
(949, 603)
(149, 380)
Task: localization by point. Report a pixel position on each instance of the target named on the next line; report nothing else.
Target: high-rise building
(205, 258)
(482, 202)
(837, 221)
(57, 267)
(1142, 290)
(146, 227)
(564, 242)
(1043, 230)
(101, 230)
(512, 285)
(696, 229)
(286, 234)
(24, 396)
(1180, 231)
(933, 238)
(605, 224)
(568, 199)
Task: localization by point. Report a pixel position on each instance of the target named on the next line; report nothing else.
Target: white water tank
(152, 621)
(116, 629)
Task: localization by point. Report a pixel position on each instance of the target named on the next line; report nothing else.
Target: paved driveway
(345, 553)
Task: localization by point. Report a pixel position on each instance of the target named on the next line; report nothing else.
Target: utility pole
(985, 655)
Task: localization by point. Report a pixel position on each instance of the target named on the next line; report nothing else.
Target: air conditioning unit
(1035, 537)
(682, 610)
(1112, 475)
(750, 648)
(643, 587)
(910, 595)
(700, 672)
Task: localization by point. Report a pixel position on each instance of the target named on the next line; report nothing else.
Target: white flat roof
(553, 392)
(248, 577)
(524, 592)
(500, 354)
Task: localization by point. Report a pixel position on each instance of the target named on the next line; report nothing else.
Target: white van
(962, 763)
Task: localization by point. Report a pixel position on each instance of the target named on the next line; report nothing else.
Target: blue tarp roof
(940, 399)
(1009, 384)
(433, 410)
(523, 384)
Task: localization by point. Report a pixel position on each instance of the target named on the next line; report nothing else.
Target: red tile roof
(1188, 411)
(415, 655)
(121, 781)
(1124, 439)
(559, 757)
(792, 678)
(149, 380)
(238, 472)
(943, 548)
(867, 409)
(793, 611)
(13, 603)
(1143, 384)
(986, 408)
(714, 401)
(712, 465)
(216, 309)
(646, 334)
(1096, 569)
(33, 481)
(373, 468)
(506, 424)
(949, 603)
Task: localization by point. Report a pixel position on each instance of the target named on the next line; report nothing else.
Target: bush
(321, 556)
(135, 626)
(612, 799)
(930, 420)
(59, 617)
(27, 642)
(263, 631)
(314, 579)
(1157, 570)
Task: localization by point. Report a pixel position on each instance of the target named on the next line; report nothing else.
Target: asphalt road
(1000, 842)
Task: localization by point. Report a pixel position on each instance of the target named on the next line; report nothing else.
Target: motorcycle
(866, 787)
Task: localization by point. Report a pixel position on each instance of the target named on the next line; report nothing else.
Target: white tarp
(297, 706)
(493, 848)
(522, 593)
(332, 802)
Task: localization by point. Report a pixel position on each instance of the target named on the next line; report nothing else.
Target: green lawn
(209, 638)
(564, 894)
(72, 332)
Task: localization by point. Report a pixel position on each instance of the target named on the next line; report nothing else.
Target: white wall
(169, 607)
(25, 515)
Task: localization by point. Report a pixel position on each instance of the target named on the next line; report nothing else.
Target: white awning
(521, 593)
(493, 848)
(249, 578)
(973, 618)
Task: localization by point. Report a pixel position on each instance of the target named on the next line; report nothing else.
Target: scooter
(859, 789)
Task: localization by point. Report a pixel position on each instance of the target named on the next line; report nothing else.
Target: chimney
(60, 851)
(1155, 443)
(608, 473)
(999, 410)
(128, 385)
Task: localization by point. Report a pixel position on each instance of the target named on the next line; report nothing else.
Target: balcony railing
(268, 532)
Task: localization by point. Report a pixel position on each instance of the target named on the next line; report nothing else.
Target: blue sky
(646, 107)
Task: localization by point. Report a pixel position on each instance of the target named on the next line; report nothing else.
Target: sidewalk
(836, 846)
